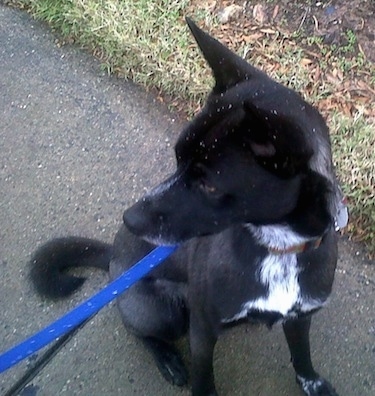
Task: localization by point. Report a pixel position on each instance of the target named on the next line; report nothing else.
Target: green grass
(148, 42)
(353, 143)
(142, 40)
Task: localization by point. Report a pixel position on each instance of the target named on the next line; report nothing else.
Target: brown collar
(295, 249)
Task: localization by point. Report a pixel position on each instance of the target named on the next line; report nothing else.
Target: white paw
(316, 387)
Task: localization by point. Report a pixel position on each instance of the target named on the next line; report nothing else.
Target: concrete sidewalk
(77, 147)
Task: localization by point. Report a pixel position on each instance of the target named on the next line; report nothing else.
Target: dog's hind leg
(155, 311)
(297, 335)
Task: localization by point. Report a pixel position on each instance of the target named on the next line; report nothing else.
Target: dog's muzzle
(135, 218)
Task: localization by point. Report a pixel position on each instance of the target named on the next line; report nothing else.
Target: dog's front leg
(202, 344)
(297, 333)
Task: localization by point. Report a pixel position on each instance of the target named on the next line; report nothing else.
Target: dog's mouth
(150, 230)
(159, 241)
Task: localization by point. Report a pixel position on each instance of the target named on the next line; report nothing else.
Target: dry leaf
(252, 37)
(259, 13)
(317, 73)
(332, 79)
(229, 13)
(268, 31)
(306, 61)
(275, 11)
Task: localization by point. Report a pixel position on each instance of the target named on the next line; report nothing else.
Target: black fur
(254, 178)
(52, 260)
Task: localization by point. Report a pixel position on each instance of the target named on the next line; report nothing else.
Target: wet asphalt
(77, 148)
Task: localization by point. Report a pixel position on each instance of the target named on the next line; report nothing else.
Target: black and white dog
(254, 203)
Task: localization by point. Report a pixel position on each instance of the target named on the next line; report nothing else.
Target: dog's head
(257, 153)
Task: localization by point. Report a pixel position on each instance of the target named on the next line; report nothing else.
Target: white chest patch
(279, 274)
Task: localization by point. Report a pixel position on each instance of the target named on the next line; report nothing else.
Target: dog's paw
(168, 361)
(173, 369)
(316, 387)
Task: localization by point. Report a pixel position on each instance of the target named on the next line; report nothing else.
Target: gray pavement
(77, 147)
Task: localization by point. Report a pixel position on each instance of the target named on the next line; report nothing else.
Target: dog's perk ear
(280, 143)
(227, 67)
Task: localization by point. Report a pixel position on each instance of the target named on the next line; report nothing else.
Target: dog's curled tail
(50, 262)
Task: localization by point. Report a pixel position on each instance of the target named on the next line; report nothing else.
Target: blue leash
(85, 310)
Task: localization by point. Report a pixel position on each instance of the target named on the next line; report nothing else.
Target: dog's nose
(134, 219)
(142, 218)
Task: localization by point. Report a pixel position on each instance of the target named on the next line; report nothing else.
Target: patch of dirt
(332, 33)
(332, 20)
(329, 19)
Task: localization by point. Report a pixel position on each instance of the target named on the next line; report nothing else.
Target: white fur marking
(309, 386)
(279, 273)
(277, 236)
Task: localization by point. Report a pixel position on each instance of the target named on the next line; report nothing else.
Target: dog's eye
(207, 188)
(200, 175)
